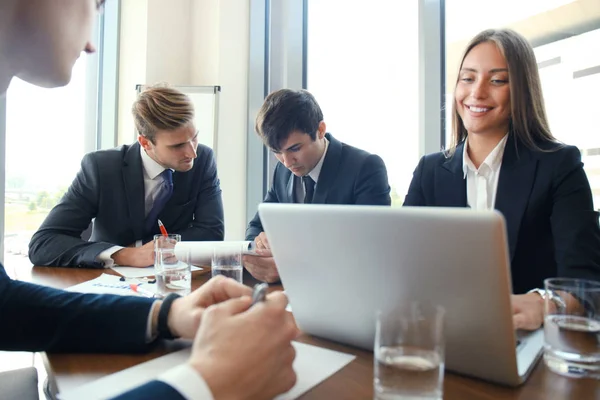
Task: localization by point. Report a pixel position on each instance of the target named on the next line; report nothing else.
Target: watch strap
(163, 316)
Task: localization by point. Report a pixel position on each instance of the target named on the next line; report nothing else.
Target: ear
(322, 130)
(144, 142)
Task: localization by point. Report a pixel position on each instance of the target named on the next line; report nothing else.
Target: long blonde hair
(528, 120)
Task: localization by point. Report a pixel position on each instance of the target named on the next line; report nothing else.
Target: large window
(47, 132)
(362, 67)
(44, 142)
(566, 41)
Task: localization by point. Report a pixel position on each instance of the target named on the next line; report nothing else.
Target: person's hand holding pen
(244, 352)
(262, 266)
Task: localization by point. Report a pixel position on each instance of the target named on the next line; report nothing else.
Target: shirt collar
(493, 160)
(316, 171)
(151, 168)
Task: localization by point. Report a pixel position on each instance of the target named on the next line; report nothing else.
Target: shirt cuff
(151, 334)
(187, 381)
(106, 256)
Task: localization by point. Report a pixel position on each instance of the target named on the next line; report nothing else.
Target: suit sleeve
(58, 240)
(153, 390)
(39, 318)
(255, 226)
(208, 223)
(415, 196)
(372, 187)
(574, 222)
(181, 382)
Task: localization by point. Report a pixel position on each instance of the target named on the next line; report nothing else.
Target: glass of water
(227, 261)
(409, 352)
(572, 327)
(173, 272)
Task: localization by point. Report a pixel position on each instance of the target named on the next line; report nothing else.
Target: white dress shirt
(187, 382)
(152, 181)
(299, 191)
(482, 182)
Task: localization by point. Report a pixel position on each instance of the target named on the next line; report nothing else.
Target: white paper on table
(133, 272)
(110, 284)
(201, 252)
(312, 365)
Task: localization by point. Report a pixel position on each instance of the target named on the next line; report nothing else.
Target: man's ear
(144, 142)
(322, 130)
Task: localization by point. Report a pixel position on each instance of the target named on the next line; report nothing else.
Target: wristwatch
(163, 317)
(556, 299)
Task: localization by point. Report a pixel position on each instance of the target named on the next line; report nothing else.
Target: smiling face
(482, 92)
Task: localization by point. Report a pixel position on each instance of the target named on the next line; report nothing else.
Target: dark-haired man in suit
(313, 167)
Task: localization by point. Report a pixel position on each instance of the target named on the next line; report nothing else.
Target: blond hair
(161, 107)
(528, 120)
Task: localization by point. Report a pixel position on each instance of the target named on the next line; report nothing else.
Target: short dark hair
(286, 111)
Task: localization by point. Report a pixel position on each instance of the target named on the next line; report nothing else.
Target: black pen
(259, 293)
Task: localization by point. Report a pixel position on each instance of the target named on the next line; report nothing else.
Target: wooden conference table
(355, 381)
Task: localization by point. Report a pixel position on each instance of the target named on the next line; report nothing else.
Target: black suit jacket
(39, 318)
(546, 200)
(152, 390)
(109, 188)
(348, 176)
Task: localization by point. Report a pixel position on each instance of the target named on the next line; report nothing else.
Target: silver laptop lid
(339, 264)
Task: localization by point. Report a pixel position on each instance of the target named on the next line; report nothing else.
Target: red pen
(162, 228)
(138, 289)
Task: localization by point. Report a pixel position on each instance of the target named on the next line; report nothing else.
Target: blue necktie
(165, 190)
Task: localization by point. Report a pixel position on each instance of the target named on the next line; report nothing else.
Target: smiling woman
(504, 158)
(490, 101)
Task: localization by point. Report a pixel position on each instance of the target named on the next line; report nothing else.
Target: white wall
(169, 42)
(193, 42)
(233, 77)
(132, 62)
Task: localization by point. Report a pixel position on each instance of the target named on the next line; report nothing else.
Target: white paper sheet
(111, 284)
(133, 272)
(312, 365)
(201, 252)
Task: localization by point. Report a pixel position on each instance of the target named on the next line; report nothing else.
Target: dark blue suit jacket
(348, 176)
(152, 390)
(546, 200)
(39, 318)
(109, 188)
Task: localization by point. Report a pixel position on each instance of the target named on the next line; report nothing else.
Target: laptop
(339, 264)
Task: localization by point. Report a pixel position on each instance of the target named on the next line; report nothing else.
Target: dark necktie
(309, 189)
(165, 190)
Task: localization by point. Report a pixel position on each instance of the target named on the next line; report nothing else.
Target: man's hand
(140, 257)
(186, 313)
(262, 242)
(246, 353)
(262, 266)
(528, 311)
